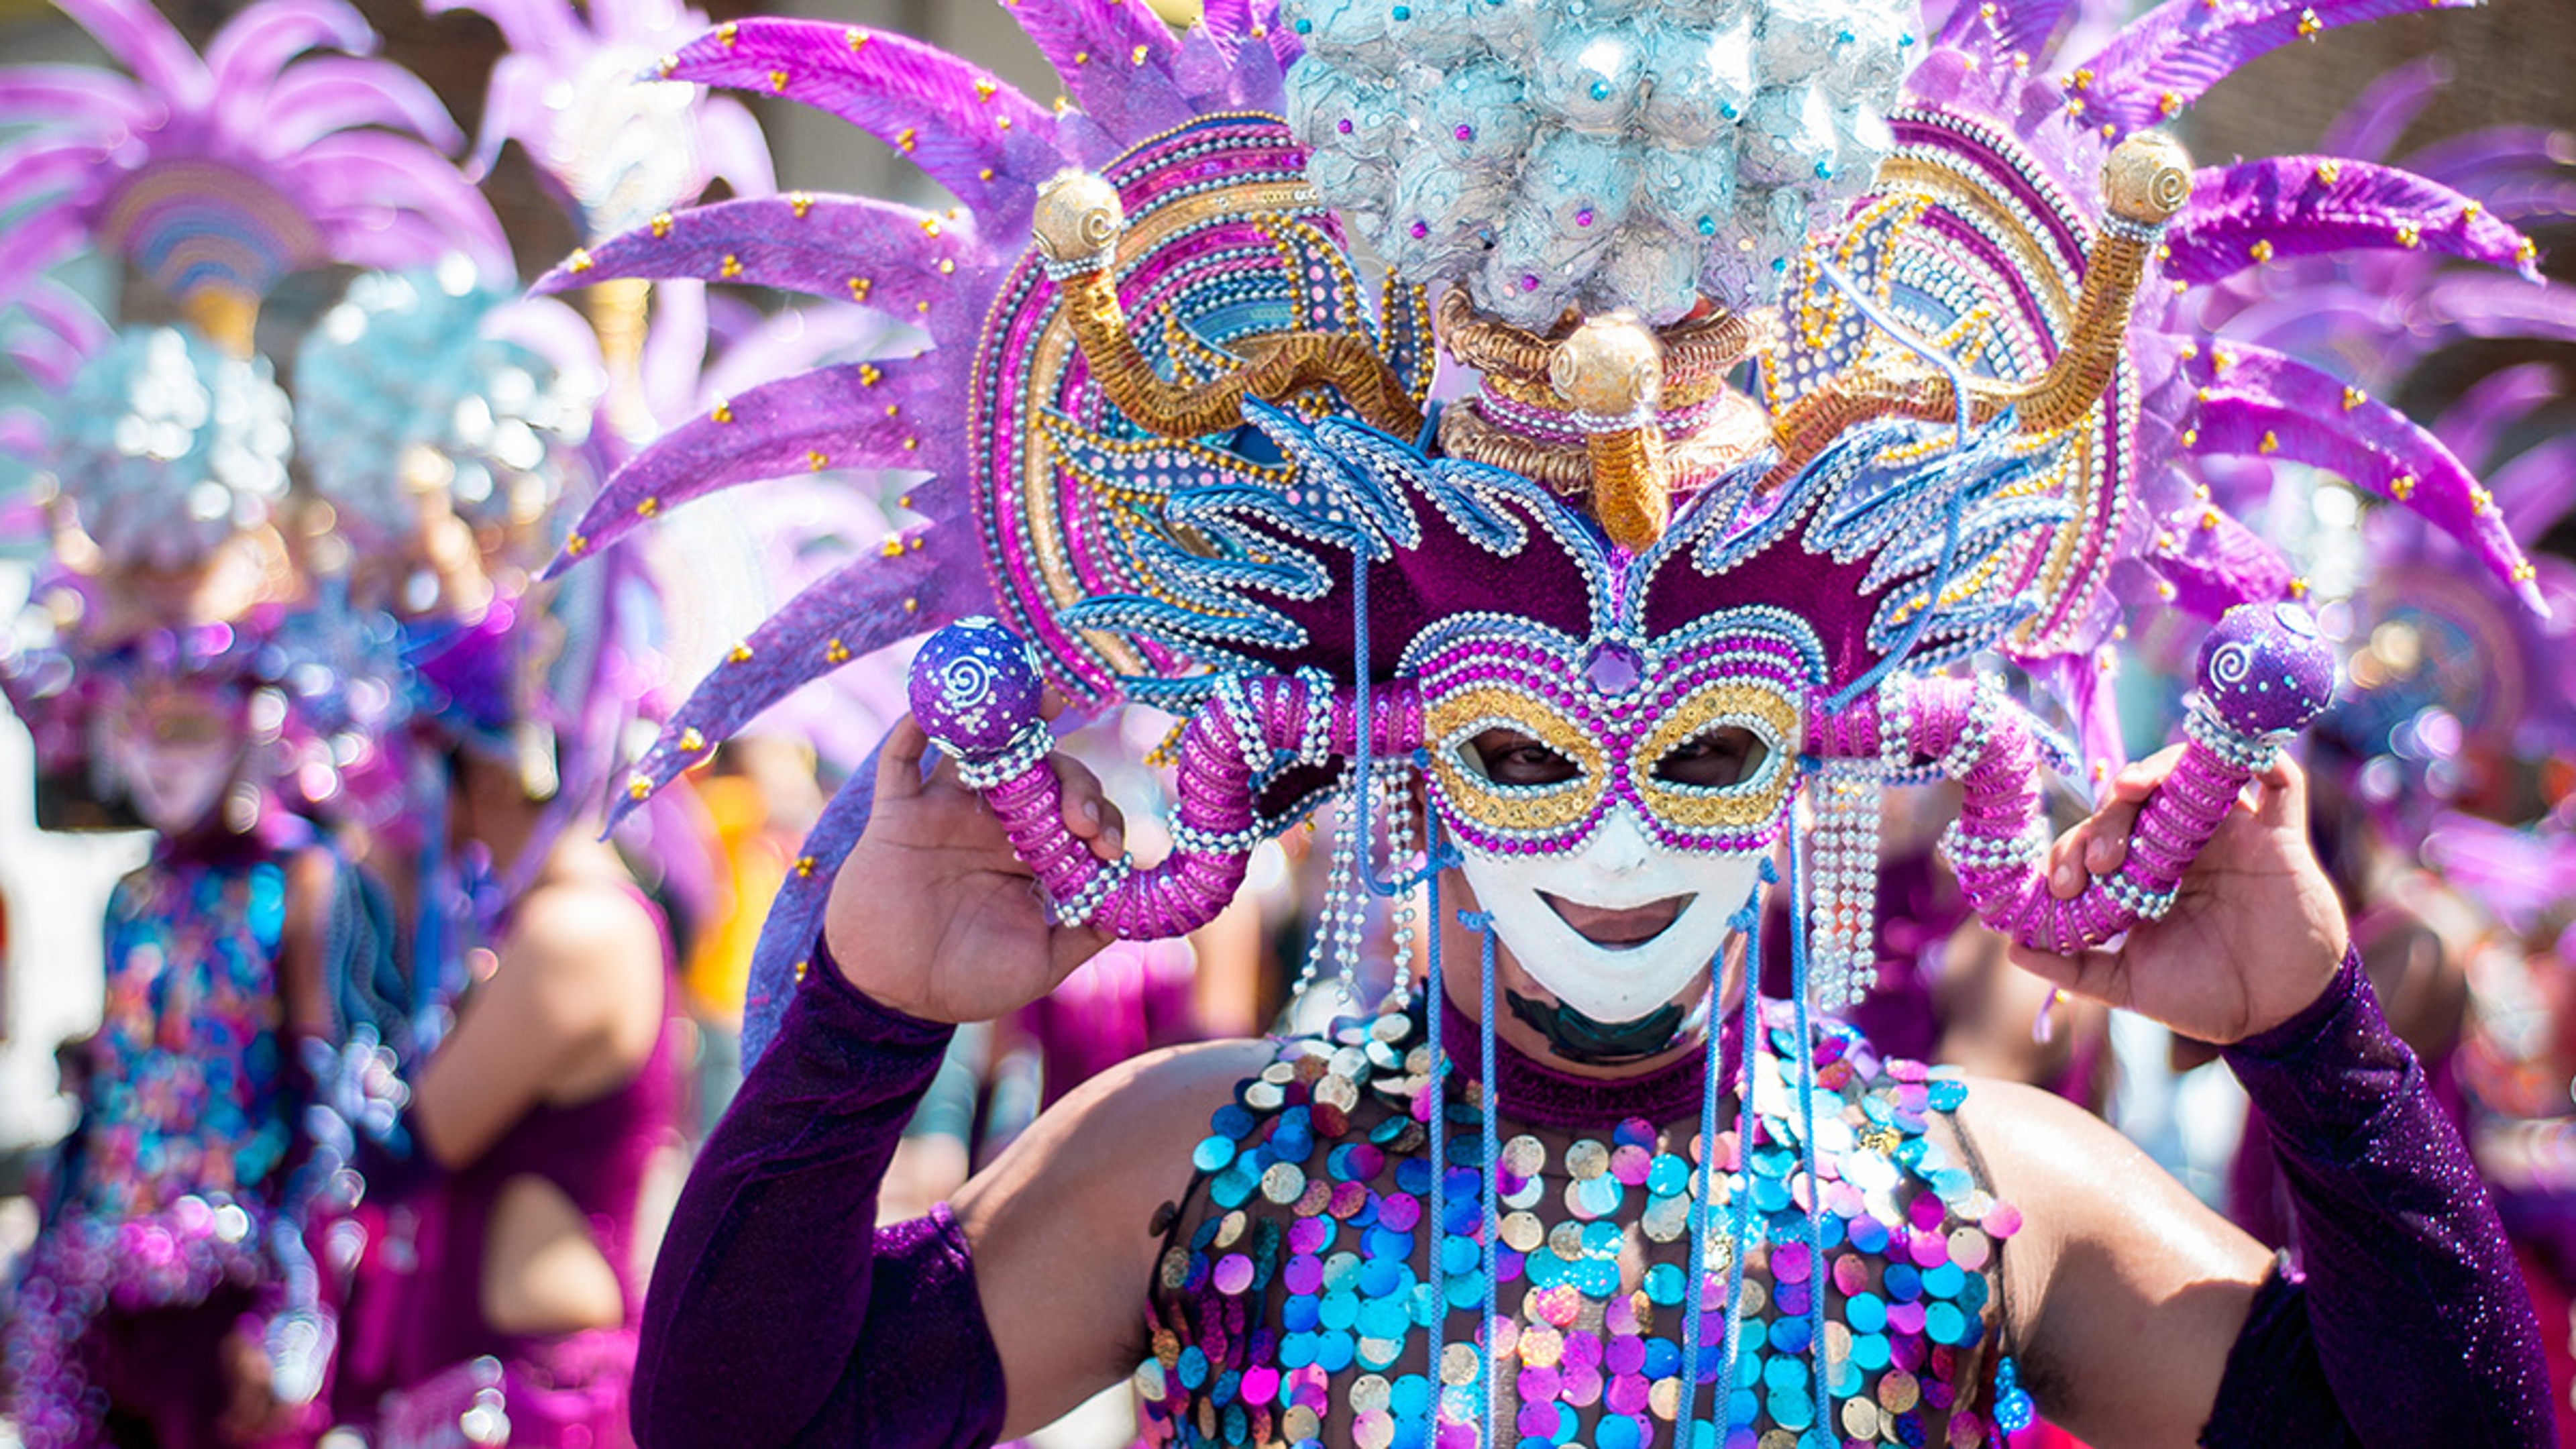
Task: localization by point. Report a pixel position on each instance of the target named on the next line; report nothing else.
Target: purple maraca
(976, 691)
(2263, 668)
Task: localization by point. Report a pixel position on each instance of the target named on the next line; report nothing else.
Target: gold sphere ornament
(2147, 178)
(1078, 218)
(1610, 368)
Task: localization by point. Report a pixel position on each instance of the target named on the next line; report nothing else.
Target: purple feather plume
(960, 125)
(1115, 58)
(888, 256)
(927, 577)
(2170, 56)
(2263, 404)
(2297, 206)
(849, 415)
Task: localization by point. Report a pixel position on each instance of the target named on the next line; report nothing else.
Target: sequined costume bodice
(188, 1098)
(1293, 1299)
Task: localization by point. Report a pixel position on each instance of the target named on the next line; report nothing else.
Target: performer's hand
(2255, 933)
(933, 915)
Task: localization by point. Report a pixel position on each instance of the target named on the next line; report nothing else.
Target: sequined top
(1293, 1298)
(188, 1097)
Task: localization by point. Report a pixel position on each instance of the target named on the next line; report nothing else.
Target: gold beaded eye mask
(1653, 725)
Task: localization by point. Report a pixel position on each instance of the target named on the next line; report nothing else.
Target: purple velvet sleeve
(2410, 1325)
(779, 1312)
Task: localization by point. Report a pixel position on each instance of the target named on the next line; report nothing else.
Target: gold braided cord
(1736, 433)
(1697, 353)
(1631, 490)
(1278, 366)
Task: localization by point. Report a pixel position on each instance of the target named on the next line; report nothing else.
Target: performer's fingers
(2066, 864)
(899, 761)
(1088, 811)
(2096, 973)
(2282, 794)
(2109, 831)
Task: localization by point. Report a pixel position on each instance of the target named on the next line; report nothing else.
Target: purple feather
(2461, 161)
(1260, 81)
(1229, 22)
(2267, 405)
(1115, 58)
(429, 206)
(43, 164)
(2215, 563)
(893, 257)
(2368, 128)
(66, 314)
(247, 54)
(2473, 305)
(23, 435)
(2501, 400)
(2242, 215)
(2537, 488)
(2028, 27)
(849, 415)
(46, 358)
(32, 243)
(948, 117)
(138, 38)
(335, 93)
(54, 94)
(868, 604)
(732, 146)
(2170, 56)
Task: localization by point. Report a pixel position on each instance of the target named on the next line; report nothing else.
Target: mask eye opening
(1721, 758)
(1512, 759)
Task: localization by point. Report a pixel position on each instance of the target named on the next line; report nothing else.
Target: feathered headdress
(1966, 432)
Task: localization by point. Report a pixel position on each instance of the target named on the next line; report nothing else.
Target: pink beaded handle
(2263, 672)
(976, 691)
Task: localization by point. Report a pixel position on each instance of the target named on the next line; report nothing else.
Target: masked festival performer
(171, 1298)
(1573, 652)
(500, 1297)
(497, 1295)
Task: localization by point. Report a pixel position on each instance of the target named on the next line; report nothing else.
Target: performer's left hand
(2256, 931)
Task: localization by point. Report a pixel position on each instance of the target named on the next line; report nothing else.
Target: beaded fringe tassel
(1843, 894)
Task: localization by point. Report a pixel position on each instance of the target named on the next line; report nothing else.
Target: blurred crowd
(403, 1049)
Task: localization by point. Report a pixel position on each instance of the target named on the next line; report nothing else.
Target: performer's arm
(2146, 1319)
(778, 1313)
(2412, 1318)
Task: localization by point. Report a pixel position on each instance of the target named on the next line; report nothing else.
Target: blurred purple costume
(419, 1350)
(778, 1316)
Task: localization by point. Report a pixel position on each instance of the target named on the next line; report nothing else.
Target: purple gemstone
(1421, 230)
(1466, 133)
(2263, 668)
(1343, 125)
(975, 689)
(1583, 217)
(1614, 669)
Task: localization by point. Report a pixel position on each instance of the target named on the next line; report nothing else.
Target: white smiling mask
(1619, 867)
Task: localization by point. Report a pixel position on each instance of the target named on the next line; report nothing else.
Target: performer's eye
(1508, 757)
(1713, 758)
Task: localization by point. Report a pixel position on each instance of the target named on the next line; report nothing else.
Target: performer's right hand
(933, 915)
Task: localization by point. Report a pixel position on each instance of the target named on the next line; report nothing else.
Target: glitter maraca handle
(2263, 673)
(975, 689)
